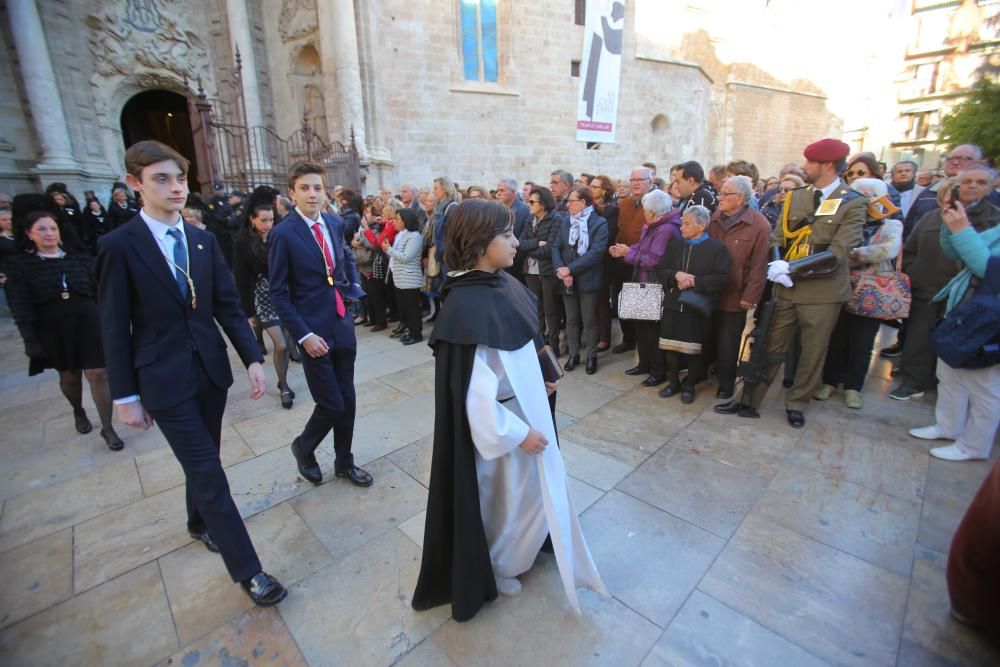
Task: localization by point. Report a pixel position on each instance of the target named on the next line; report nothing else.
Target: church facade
(474, 90)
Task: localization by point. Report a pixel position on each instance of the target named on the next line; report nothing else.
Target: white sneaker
(932, 432)
(953, 453)
(508, 586)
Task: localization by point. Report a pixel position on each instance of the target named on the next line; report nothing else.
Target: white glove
(778, 272)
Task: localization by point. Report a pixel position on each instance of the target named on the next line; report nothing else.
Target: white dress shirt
(166, 243)
(828, 190)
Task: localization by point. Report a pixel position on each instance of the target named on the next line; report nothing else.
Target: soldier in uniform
(825, 215)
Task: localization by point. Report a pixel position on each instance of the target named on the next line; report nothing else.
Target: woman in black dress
(250, 271)
(53, 297)
(700, 266)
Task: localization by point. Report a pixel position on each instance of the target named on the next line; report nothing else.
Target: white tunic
(523, 497)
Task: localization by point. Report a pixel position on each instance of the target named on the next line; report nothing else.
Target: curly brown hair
(470, 230)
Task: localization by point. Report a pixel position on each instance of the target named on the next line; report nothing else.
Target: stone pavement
(723, 541)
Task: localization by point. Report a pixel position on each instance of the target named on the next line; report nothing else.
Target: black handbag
(969, 336)
(701, 303)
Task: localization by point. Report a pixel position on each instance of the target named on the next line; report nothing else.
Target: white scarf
(579, 235)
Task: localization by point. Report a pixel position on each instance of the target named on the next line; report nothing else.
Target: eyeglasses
(570, 201)
(727, 194)
(859, 174)
(959, 158)
(534, 201)
(637, 180)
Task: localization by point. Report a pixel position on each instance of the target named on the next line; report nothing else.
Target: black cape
(491, 309)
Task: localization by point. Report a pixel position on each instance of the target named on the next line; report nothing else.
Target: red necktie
(318, 232)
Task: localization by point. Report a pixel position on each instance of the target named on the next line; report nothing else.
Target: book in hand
(551, 370)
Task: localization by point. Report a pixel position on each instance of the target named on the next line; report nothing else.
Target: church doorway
(162, 115)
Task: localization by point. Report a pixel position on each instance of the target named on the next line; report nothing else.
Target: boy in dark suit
(162, 287)
(312, 272)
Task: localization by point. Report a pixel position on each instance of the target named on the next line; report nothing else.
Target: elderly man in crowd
(746, 233)
(904, 179)
(561, 182)
(631, 218)
(410, 196)
(827, 216)
(958, 159)
(508, 196)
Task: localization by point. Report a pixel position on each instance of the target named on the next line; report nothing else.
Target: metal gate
(245, 157)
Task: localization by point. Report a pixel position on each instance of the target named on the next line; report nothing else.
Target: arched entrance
(162, 115)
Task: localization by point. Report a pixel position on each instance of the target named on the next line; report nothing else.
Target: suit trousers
(533, 282)
(815, 321)
(331, 383)
(546, 288)
(728, 330)
(850, 352)
(968, 406)
(647, 339)
(193, 429)
(581, 322)
(917, 363)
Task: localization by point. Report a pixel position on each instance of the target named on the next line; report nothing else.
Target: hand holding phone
(954, 198)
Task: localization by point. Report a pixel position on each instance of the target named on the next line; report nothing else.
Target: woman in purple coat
(663, 226)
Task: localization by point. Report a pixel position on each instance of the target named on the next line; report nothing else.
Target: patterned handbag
(882, 295)
(640, 301)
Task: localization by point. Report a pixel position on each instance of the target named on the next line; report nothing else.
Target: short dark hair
(743, 168)
(587, 177)
(544, 196)
(649, 165)
(300, 169)
(35, 216)
(354, 200)
(607, 186)
(692, 169)
(144, 153)
(585, 194)
(410, 220)
(873, 167)
(470, 230)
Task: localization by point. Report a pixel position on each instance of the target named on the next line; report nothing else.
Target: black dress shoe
(391, 319)
(379, 327)
(670, 390)
(787, 384)
(82, 424)
(636, 370)
(114, 443)
(400, 329)
(687, 396)
(734, 407)
(795, 418)
(399, 334)
(410, 340)
(723, 394)
(653, 380)
(591, 365)
(572, 362)
(357, 476)
(307, 464)
(206, 539)
(622, 347)
(264, 590)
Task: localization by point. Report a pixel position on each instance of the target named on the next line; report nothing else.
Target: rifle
(754, 369)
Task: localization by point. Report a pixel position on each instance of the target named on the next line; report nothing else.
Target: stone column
(41, 89)
(241, 38)
(342, 69)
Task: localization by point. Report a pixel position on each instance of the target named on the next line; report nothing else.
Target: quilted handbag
(640, 301)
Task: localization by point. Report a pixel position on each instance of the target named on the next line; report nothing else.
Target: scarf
(696, 241)
(956, 288)
(579, 235)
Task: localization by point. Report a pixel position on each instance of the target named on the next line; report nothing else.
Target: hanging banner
(600, 75)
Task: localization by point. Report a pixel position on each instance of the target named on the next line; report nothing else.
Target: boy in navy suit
(163, 290)
(312, 272)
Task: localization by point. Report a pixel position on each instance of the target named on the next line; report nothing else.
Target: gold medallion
(329, 279)
(64, 295)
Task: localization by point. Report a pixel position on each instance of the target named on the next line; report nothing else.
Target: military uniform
(812, 305)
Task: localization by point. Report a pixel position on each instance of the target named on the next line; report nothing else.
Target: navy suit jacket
(150, 330)
(300, 293)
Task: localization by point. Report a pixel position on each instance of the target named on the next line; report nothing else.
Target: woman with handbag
(374, 230)
(662, 228)
(692, 273)
(968, 403)
(881, 292)
(577, 256)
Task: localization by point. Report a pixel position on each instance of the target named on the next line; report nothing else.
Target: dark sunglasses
(852, 173)
(534, 201)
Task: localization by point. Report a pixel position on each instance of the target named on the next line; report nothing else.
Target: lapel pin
(201, 247)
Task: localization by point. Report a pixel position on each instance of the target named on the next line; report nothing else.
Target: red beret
(827, 150)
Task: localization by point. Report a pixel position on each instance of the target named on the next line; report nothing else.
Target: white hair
(510, 183)
(743, 185)
(699, 214)
(657, 202)
(982, 166)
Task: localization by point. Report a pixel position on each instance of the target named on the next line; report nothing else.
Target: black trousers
(408, 301)
(728, 330)
(331, 383)
(918, 363)
(377, 295)
(850, 351)
(647, 336)
(695, 365)
(390, 299)
(533, 282)
(193, 429)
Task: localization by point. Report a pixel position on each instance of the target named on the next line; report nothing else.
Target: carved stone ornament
(298, 19)
(130, 36)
